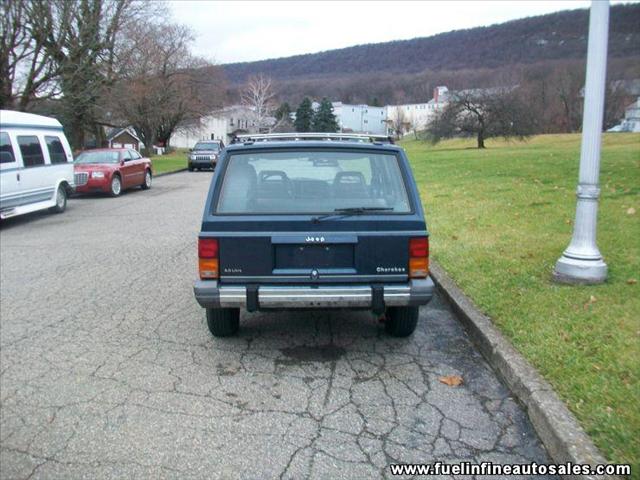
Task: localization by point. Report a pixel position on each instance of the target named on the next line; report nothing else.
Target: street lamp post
(582, 262)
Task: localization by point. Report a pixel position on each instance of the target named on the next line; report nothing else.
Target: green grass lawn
(170, 162)
(499, 219)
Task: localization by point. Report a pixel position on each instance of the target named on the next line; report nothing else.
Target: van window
(31, 150)
(6, 150)
(56, 150)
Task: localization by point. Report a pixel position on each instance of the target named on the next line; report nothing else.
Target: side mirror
(191, 149)
(122, 162)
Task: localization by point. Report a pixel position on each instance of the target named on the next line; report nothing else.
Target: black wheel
(147, 180)
(223, 322)
(190, 168)
(401, 321)
(116, 186)
(61, 201)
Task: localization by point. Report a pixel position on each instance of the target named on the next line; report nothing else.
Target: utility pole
(581, 262)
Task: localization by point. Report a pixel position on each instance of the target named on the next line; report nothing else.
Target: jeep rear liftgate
(315, 258)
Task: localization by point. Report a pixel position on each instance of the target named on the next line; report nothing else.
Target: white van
(36, 165)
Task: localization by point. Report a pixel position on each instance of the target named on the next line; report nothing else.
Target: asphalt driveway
(107, 369)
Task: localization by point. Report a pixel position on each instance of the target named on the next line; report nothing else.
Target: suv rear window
(312, 182)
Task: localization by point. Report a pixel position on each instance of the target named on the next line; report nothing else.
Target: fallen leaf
(451, 380)
(632, 281)
(591, 301)
(631, 211)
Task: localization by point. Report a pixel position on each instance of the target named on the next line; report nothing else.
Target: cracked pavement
(107, 369)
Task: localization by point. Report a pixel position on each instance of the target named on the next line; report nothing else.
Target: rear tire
(223, 322)
(61, 201)
(401, 321)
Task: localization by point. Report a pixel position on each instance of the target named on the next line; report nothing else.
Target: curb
(170, 173)
(558, 429)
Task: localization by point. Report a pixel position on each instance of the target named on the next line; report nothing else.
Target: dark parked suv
(304, 221)
(204, 155)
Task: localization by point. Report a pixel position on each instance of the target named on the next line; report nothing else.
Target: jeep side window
(56, 150)
(31, 150)
(6, 150)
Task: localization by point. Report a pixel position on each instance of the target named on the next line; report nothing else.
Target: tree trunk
(101, 139)
(77, 134)
(481, 139)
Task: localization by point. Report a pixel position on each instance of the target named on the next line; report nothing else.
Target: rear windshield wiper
(343, 212)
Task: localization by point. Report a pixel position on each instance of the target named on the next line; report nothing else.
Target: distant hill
(548, 38)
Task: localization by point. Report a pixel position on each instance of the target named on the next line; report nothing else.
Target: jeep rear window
(312, 182)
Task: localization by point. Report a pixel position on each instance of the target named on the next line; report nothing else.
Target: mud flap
(252, 298)
(377, 299)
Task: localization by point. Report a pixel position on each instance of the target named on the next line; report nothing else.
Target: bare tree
(163, 85)
(399, 121)
(83, 38)
(616, 99)
(483, 114)
(568, 83)
(259, 96)
(27, 73)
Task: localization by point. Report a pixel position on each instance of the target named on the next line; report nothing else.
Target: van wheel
(401, 321)
(223, 322)
(61, 201)
(116, 186)
(147, 180)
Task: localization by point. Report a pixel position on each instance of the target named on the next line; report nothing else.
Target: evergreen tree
(324, 120)
(283, 111)
(304, 116)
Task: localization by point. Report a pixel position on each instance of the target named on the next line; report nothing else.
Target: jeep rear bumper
(210, 294)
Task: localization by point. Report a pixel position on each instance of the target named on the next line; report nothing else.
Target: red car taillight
(208, 258)
(419, 257)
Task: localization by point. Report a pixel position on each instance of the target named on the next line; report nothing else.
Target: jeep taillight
(208, 258)
(419, 257)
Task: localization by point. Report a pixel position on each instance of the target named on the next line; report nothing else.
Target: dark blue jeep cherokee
(301, 221)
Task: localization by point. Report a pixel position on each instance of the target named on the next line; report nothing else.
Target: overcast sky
(235, 31)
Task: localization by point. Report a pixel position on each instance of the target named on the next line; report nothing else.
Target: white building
(631, 122)
(361, 118)
(220, 125)
(416, 116)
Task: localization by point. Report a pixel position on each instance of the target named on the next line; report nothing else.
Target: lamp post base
(580, 272)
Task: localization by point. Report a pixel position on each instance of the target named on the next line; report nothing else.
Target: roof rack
(296, 136)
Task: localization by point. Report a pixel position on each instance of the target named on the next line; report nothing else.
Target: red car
(111, 170)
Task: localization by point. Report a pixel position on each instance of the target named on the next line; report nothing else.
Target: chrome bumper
(210, 294)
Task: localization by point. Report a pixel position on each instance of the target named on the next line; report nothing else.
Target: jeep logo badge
(311, 239)
(314, 274)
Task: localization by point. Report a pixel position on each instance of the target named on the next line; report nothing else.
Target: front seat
(350, 184)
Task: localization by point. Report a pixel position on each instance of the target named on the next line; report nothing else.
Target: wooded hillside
(495, 50)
